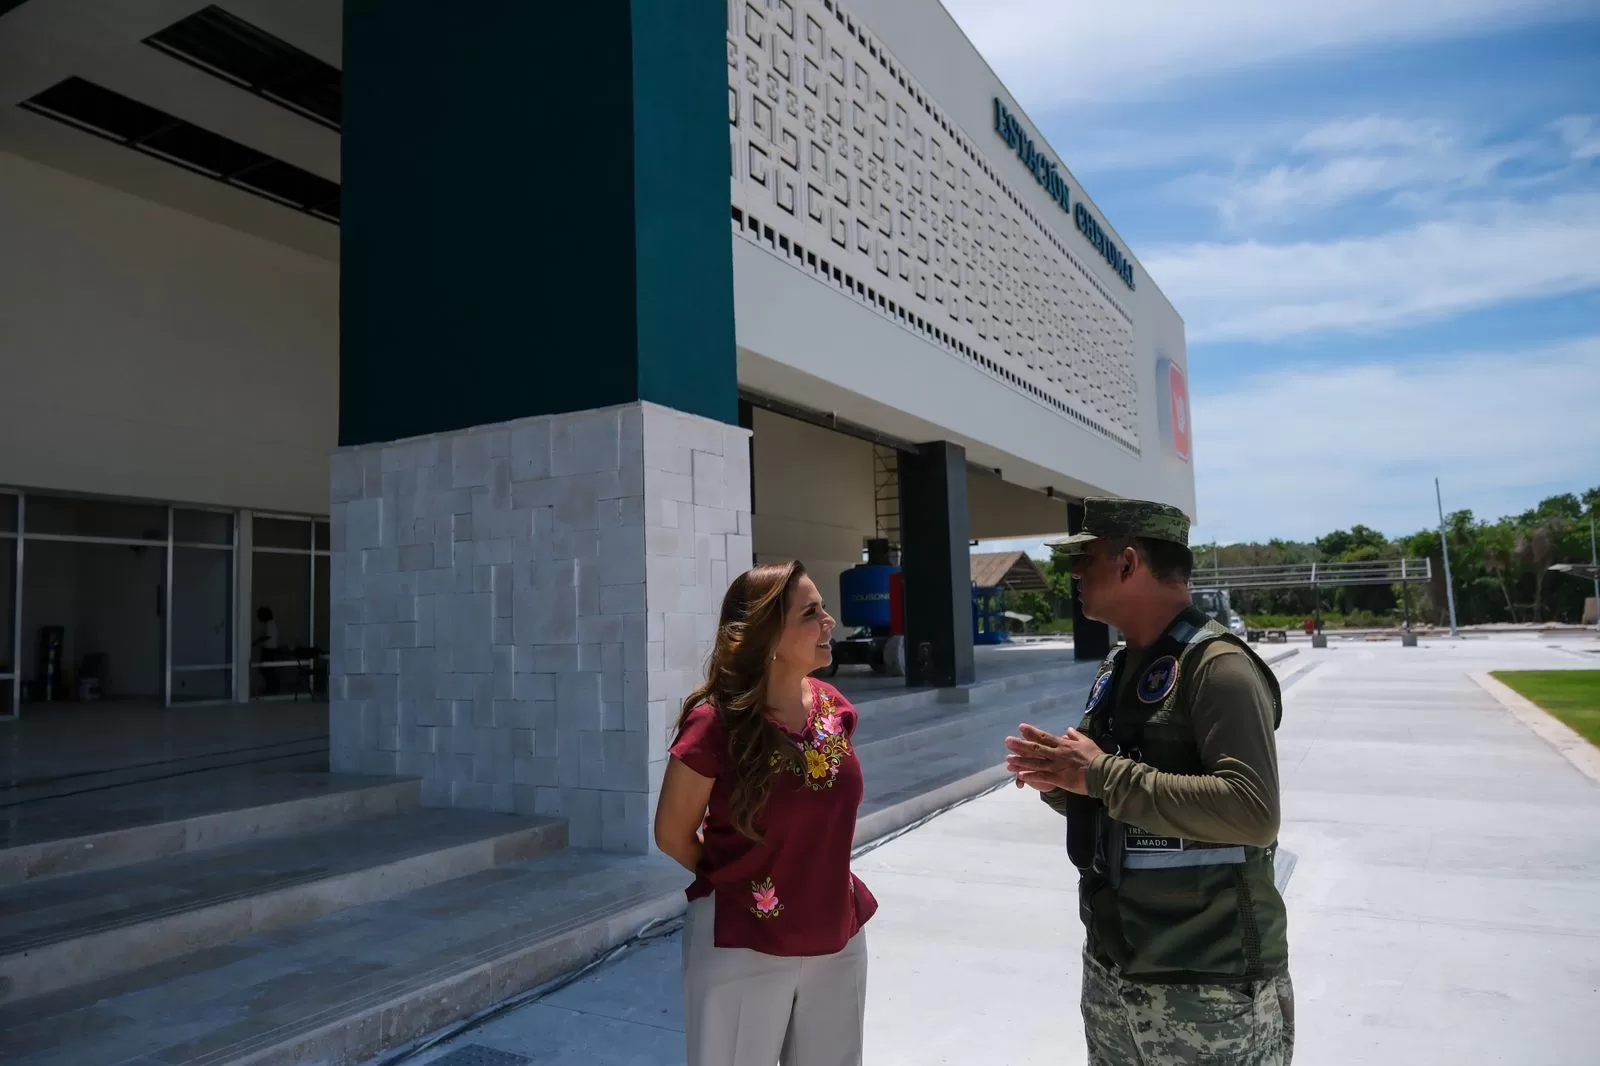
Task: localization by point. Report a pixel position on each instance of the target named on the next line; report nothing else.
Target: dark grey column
(1091, 640)
(935, 534)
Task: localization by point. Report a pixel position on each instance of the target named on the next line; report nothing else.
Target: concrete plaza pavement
(1442, 906)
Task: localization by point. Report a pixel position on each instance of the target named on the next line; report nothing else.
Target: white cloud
(1493, 255)
(1297, 454)
(1259, 171)
(1053, 53)
(1361, 158)
(1419, 166)
(1581, 134)
(1106, 148)
(1369, 133)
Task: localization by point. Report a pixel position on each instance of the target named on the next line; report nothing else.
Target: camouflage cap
(1105, 516)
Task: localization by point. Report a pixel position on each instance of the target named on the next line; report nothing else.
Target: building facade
(416, 348)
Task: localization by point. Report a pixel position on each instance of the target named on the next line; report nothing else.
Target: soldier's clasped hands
(1045, 761)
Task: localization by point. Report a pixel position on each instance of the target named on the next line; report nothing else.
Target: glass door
(203, 581)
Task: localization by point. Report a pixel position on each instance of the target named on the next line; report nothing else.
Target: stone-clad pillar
(519, 609)
(542, 490)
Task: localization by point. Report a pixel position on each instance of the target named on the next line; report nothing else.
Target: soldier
(1170, 790)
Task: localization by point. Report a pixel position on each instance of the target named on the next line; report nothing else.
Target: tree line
(1500, 569)
(1500, 572)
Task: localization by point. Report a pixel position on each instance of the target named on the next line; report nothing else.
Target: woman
(759, 801)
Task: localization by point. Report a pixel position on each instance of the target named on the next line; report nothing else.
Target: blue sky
(1380, 222)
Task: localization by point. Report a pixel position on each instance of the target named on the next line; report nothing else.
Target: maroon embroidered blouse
(793, 894)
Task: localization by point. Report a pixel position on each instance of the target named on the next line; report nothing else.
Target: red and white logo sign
(1174, 389)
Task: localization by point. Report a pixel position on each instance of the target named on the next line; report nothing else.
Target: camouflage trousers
(1128, 1023)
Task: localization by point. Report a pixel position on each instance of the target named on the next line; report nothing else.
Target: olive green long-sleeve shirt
(1236, 800)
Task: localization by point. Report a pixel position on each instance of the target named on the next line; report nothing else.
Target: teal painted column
(535, 213)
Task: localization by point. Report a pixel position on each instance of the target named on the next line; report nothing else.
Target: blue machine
(866, 635)
(864, 596)
(989, 623)
(869, 634)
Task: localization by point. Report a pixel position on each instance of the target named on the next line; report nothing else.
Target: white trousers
(743, 1008)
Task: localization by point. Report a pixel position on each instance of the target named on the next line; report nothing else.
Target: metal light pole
(1408, 638)
(1444, 548)
(1595, 559)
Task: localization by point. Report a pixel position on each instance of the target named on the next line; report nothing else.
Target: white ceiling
(45, 41)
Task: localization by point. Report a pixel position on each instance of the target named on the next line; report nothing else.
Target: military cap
(1105, 516)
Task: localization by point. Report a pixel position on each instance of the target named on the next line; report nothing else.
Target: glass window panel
(224, 42)
(324, 536)
(101, 108)
(282, 533)
(299, 187)
(105, 605)
(8, 515)
(8, 607)
(227, 43)
(64, 515)
(210, 152)
(280, 612)
(202, 608)
(202, 527)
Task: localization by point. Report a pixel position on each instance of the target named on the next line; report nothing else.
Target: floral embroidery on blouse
(822, 756)
(766, 896)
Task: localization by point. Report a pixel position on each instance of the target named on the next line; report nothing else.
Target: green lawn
(1571, 695)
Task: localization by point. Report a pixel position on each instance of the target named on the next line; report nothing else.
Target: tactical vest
(1160, 908)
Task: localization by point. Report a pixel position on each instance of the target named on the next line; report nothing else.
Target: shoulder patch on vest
(1097, 690)
(1159, 680)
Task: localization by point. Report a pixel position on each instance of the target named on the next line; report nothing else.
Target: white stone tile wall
(519, 610)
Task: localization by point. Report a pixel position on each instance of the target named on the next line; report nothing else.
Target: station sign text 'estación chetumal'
(1048, 174)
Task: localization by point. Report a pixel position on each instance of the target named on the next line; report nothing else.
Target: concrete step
(875, 724)
(66, 931)
(921, 766)
(917, 726)
(347, 986)
(308, 755)
(908, 700)
(992, 722)
(1055, 671)
(136, 823)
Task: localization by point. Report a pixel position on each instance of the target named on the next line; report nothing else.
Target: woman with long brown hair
(759, 802)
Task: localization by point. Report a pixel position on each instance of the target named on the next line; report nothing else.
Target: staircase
(251, 917)
(284, 917)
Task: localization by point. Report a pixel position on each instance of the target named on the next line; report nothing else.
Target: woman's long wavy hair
(753, 613)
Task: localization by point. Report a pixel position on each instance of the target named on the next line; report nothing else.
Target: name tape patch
(1137, 840)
